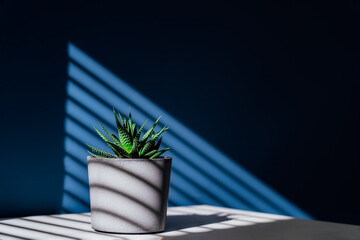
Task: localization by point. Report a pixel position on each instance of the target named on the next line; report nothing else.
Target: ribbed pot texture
(129, 195)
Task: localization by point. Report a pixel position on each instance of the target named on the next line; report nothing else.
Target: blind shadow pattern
(201, 174)
(190, 222)
(181, 222)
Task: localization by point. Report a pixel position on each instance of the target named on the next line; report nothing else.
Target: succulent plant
(128, 143)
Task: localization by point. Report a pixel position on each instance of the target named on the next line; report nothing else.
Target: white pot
(129, 195)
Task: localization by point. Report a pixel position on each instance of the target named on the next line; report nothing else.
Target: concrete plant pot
(129, 195)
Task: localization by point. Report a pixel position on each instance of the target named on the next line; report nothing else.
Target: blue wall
(272, 85)
(201, 174)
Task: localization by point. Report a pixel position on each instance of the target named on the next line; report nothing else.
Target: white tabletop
(190, 222)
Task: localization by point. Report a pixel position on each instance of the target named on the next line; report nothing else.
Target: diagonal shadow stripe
(85, 127)
(15, 236)
(77, 179)
(76, 149)
(65, 210)
(69, 219)
(78, 141)
(191, 183)
(40, 231)
(89, 101)
(79, 133)
(75, 169)
(177, 199)
(218, 190)
(75, 197)
(104, 211)
(184, 193)
(74, 185)
(74, 158)
(103, 92)
(67, 227)
(71, 205)
(133, 199)
(128, 173)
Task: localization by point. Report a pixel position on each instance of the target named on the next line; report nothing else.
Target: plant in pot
(129, 189)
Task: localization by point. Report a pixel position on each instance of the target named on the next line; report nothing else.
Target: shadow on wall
(201, 174)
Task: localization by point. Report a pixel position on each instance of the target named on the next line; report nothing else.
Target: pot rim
(130, 159)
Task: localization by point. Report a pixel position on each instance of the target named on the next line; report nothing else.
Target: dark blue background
(272, 84)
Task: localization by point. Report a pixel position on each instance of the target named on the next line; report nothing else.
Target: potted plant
(129, 189)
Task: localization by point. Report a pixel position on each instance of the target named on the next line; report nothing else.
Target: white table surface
(191, 222)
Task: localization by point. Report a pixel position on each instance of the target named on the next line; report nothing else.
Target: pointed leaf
(101, 153)
(154, 137)
(125, 124)
(137, 137)
(122, 122)
(108, 133)
(94, 155)
(130, 120)
(147, 147)
(147, 134)
(133, 131)
(149, 154)
(101, 135)
(159, 153)
(118, 124)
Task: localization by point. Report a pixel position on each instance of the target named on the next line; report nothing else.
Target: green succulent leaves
(127, 143)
